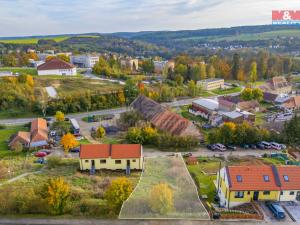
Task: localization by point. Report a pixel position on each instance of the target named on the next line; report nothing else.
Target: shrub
(2, 126)
(53, 161)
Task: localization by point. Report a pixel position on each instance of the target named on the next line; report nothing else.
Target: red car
(40, 154)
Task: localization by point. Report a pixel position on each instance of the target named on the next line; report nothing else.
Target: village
(217, 156)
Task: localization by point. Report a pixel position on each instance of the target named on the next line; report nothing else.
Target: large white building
(84, 61)
(161, 66)
(57, 67)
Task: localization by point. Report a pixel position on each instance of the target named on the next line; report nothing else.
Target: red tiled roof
(115, 151)
(54, 64)
(123, 151)
(293, 102)
(91, 151)
(252, 178)
(22, 136)
(39, 130)
(293, 173)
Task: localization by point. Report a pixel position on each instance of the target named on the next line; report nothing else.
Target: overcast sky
(39, 17)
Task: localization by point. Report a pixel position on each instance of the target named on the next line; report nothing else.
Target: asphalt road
(30, 221)
(99, 112)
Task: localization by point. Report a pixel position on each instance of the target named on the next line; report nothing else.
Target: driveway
(293, 209)
(269, 216)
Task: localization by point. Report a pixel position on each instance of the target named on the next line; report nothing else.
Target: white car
(220, 147)
(282, 146)
(275, 146)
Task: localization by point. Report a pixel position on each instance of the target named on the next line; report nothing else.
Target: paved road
(99, 112)
(127, 222)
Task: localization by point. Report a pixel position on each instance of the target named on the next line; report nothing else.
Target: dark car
(77, 149)
(211, 147)
(230, 147)
(276, 209)
(207, 126)
(260, 146)
(245, 146)
(253, 146)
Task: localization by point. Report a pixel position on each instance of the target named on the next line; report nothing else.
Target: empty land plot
(171, 171)
(77, 85)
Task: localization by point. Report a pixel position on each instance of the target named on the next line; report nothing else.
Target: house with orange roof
(237, 185)
(56, 66)
(111, 157)
(36, 138)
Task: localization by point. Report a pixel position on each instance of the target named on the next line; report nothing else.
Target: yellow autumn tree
(69, 141)
(121, 97)
(161, 199)
(118, 192)
(100, 133)
(29, 80)
(57, 195)
(59, 116)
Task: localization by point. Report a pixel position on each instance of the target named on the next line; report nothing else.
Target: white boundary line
(177, 218)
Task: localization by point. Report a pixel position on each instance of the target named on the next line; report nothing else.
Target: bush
(53, 161)
(2, 126)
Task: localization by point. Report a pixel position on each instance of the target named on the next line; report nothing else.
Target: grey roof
(207, 103)
(233, 114)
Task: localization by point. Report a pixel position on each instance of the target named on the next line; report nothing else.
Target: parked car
(77, 149)
(282, 146)
(275, 146)
(207, 126)
(252, 146)
(220, 147)
(40, 161)
(245, 146)
(52, 133)
(260, 146)
(211, 147)
(267, 145)
(40, 154)
(46, 151)
(230, 147)
(78, 138)
(187, 154)
(276, 209)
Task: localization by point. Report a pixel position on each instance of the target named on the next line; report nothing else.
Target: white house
(56, 67)
(84, 61)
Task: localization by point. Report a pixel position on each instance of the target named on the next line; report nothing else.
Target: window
(292, 192)
(266, 192)
(286, 178)
(239, 178)
(102, 161)
(117, 161)
(133, 160)
(239, 194)
(281, 193)
(86, 161)
(266, 178)
(248, 192)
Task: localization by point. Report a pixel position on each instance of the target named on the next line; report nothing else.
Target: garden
(165, 190)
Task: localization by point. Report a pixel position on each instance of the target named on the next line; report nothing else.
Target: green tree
(257, 94)
(247, 94)
(236, 66)
(135, 136)
(149, 134)
(117, 193)
(253, 72)
(211, 71)
(102, 67)
(203, 74)
(130, 90)
(148, 66)
(179, 79)
(227, 133)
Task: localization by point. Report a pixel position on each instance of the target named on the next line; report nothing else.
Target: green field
(33, 40)
(20, 70)
(4, 137)
(227, 91)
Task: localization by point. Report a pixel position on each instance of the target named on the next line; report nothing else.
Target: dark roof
(163, 119)
(269, 97)
(54, 64)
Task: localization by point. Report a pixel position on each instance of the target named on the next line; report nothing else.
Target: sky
(46, 17)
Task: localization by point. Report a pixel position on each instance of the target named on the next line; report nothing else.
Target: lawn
(259, 118)
(184, 112)
(20, 70)
(16, 113)
(227, 91)
(33, 40)
(4, 137)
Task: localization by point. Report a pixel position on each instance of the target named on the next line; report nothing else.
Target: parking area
(269, 216)
(293, 209)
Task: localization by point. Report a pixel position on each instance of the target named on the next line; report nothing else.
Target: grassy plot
(33, 40)
(227, 91)
(171, 171)
(20, 70)
(76, 85)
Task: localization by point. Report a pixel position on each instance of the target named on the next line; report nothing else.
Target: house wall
(85, 164)
(212, 85)
(286, 195)
(67, 72)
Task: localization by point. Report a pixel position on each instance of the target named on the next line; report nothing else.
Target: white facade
(86, 61)
(289, 195)
(61, 72)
